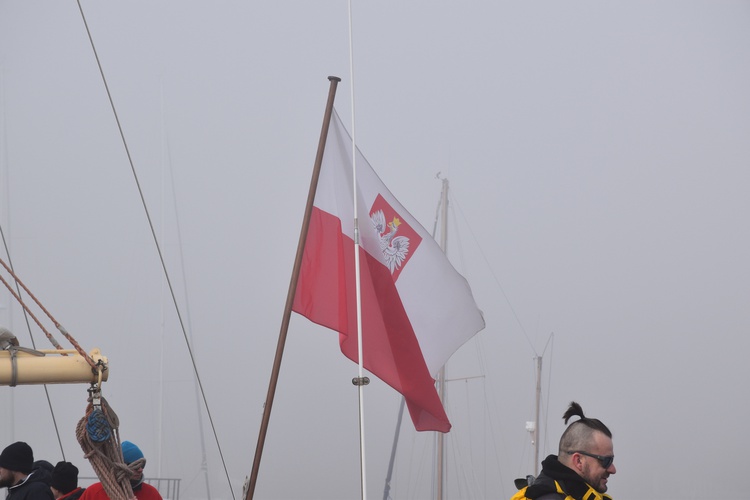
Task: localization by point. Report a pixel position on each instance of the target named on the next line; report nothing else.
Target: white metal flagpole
(360, 381)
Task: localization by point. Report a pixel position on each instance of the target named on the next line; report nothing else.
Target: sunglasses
(604, 461)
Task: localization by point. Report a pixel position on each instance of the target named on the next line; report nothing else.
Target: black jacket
(33, 487)
(573, 485)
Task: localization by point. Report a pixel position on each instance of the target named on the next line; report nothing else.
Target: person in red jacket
(143, 491)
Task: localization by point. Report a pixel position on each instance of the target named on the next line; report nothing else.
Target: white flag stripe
(436, 297)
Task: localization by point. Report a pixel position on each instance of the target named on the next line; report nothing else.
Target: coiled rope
(105, 454)
(98, 431)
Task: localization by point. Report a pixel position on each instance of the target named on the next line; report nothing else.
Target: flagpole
(292, 289)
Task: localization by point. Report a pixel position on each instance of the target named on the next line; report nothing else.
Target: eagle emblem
(394, 248)
(397, 240)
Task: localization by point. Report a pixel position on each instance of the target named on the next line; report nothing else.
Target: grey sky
(598, 157)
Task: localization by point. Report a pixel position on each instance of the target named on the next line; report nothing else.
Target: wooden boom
(52, 368)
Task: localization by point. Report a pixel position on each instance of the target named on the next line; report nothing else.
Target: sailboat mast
(441, 375)
(536, 415)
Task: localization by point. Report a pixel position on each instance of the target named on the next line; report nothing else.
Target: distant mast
(440, 479)
(536, 414)
(533, 426)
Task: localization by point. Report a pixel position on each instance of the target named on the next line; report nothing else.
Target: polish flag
(416, 309)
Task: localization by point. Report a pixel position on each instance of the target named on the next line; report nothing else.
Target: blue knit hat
(130, 452)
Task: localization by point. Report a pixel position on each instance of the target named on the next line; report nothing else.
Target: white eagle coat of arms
(394, 248)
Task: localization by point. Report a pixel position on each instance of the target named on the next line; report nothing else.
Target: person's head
(16, 462)
(586, 447)
(42, 465)
(133, 456)
(42, 469)
(64, 479)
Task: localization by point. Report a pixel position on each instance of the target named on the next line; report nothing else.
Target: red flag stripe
(390, 348)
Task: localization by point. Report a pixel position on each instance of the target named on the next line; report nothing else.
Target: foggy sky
(599, 166)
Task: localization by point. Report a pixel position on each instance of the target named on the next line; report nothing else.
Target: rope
(62, 329)
(106, 456)
(33, 344)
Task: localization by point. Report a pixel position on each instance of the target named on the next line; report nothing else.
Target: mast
(168, 187)
(440, 479)
(533, 427)
(536, 414)
(387, 489)
(440, 441)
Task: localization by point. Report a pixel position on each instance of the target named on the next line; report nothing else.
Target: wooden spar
(52, 368)
(292, 289)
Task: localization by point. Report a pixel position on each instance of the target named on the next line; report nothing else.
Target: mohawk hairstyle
(580, 432)
(575, 410)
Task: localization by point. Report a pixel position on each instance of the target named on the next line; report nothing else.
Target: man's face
(6, 478)
(137, 478)
(592, 471)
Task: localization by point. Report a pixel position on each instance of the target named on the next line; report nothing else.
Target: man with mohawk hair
(582, 467)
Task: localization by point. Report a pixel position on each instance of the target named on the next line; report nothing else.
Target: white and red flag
(416, 308)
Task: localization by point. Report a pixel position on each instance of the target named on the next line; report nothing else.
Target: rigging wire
(204, 461)
(18, 290)
(33, 344)
(497, 281)
(158, 247)
(549, 343)
(26, 308)
(481, 362)
(480, 350)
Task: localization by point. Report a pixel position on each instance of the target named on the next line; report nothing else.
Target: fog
(599, 170)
